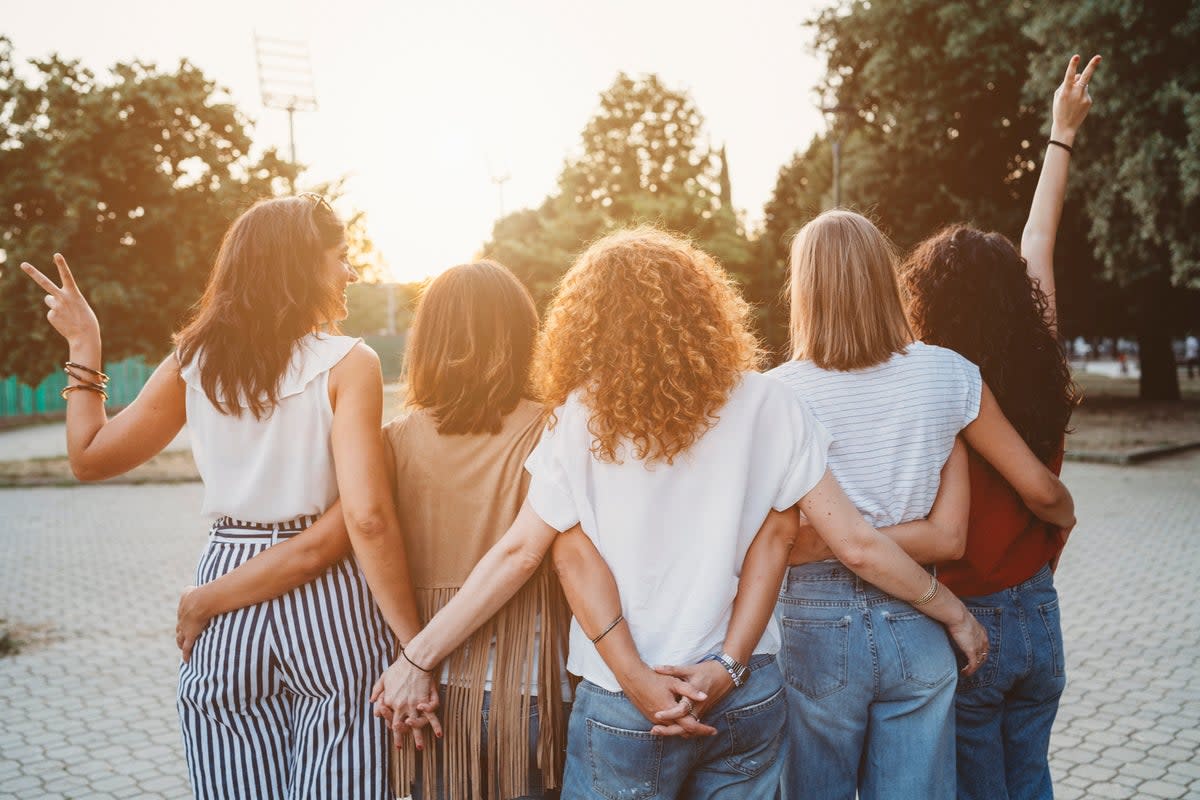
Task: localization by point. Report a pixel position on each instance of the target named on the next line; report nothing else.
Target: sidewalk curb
(1130, 457)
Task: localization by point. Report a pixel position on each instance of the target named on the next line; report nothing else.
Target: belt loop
(274, 534)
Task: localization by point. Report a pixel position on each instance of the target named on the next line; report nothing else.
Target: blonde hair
(655, 335)
(846, 308)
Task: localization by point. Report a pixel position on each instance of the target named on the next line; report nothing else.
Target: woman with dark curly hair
(668, 451)
(973, 292)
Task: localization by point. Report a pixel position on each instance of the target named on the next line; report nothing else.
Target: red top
(1006, 543)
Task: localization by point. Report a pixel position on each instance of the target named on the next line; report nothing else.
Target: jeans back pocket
(816, 655)
(1053, 621)
(990, 618)
(926, 655)
(756, 733)
(625, 764)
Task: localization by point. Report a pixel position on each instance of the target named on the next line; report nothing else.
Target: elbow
(368, 524)
(1052, 502)
(520, 559)
(86, 472)
(854, 557)
(956, 543)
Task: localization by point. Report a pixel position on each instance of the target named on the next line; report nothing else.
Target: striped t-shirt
(893, 425)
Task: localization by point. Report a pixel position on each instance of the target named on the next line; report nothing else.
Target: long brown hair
(846, 308)
(469, 348)
(656, 336)
(969, 291)
(266, 290)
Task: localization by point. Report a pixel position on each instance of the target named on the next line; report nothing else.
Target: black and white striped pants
(275, 701)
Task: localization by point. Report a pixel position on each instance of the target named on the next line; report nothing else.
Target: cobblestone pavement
(89, 577)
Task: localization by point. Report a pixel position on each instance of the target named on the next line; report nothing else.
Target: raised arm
(98, 447)
(503, 570)
(879, 560)
(1071, 104)
(941, 536)
(273, 572)
(995, 439)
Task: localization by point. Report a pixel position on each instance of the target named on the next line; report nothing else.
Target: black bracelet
(611, 625)
(415, 664)
(1057, 143)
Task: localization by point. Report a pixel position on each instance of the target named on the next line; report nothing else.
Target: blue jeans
(536, 792)
(1006, 709)
(870, 685)
(611, 754)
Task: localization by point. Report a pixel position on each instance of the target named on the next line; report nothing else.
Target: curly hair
(654, 334)
(266, 290)
(469, 347)
(969, 291)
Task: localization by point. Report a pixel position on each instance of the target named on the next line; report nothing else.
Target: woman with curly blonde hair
(664, 442)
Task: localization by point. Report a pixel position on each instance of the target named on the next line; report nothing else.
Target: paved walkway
(90, 577)
(50, 441)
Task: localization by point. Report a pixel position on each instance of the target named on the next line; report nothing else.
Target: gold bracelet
(91, 387)
(934, 586)
(103, 378)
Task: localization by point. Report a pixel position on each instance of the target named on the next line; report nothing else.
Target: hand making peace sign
(69, 312)
(1072, 100)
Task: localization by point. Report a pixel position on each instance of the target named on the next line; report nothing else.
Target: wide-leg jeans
(870, 683)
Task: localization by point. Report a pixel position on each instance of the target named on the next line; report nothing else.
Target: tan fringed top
(455, 496)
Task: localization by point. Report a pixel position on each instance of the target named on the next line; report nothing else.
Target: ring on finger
(691, 708)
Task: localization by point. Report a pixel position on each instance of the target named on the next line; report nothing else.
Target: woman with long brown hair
(668, 451)
(284, 418)
(456, 460)
(974, 293)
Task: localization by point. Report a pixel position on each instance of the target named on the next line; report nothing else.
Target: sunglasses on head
(318, 200)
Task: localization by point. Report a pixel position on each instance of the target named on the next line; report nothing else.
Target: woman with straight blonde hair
(664, 444)
(894, 407)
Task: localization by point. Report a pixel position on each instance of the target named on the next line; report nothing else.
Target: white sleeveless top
(280, 467)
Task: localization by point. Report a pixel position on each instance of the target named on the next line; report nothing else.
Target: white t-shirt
(280, 467)
(893, 425)
(675, 535)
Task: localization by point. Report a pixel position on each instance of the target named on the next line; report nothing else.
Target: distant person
(884, 726)
(973, 292)
(273, 698)
(669, 451)
(1191, 354)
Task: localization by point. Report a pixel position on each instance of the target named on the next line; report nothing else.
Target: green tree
(936, 91)
(1137, 162)
(643, 161)
(134, 176)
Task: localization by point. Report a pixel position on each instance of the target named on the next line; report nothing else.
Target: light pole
(838, 112)
(285, 82)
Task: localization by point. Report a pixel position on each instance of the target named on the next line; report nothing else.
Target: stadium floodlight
(285, 81)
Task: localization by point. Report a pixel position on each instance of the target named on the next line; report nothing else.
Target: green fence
(19, 400)
(128, 376)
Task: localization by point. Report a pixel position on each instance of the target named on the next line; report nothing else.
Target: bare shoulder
(360, 362)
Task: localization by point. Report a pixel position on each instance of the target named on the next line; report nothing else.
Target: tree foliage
(642, 160)
(134, 176)
(1138, 169)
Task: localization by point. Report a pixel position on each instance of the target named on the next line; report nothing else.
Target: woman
(894, 407)
(283, 418)
(665, 444)
(457, 470)
(972, 292)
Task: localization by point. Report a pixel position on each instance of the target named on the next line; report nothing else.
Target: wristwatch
(738, 671)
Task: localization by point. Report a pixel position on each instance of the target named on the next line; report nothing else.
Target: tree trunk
(1159, 377)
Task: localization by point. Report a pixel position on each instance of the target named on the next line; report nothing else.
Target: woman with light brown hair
(456, 465)
(668, 451)
(284, 418)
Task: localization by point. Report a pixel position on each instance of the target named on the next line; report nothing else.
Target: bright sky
(422, 102)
